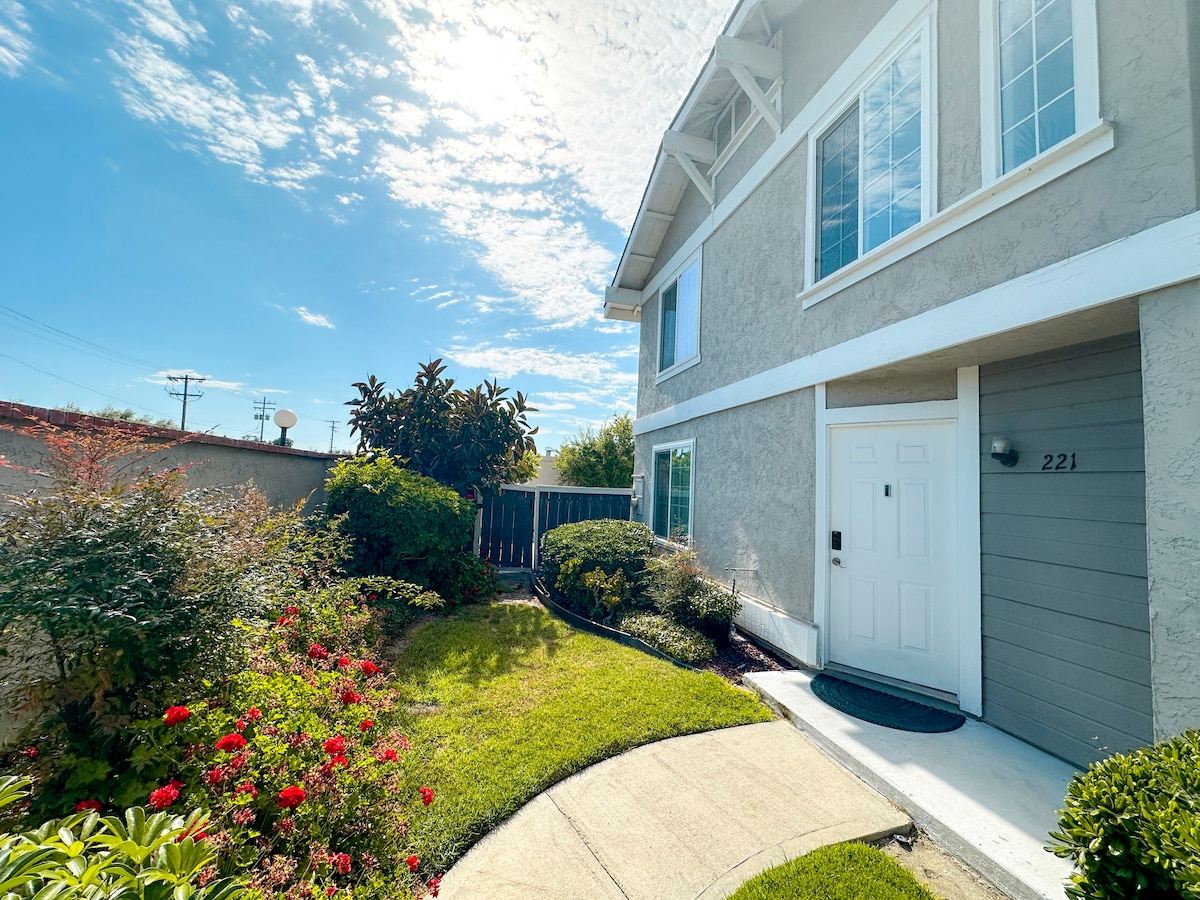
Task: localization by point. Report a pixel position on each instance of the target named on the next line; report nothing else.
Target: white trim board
(1148, 261)
(969, 577)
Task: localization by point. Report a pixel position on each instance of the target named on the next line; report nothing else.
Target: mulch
(741, 656)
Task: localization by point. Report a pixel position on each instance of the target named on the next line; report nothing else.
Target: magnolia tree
(470, 440)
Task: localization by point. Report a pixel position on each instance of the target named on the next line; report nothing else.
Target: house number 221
(1058, 462)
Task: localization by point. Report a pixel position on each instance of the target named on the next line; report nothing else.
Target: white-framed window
(1040, 78)
(732, 119)
(673, 477)
(872, 160)
(679, 320)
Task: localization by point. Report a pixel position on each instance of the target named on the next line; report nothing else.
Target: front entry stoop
(983, 795)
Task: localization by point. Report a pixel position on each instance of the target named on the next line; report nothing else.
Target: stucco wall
(284, 476)
(960, 160)
(912, 387)
(754, 505)
(1170, 323)
(753, 264)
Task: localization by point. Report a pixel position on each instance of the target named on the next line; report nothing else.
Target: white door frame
(965, 413)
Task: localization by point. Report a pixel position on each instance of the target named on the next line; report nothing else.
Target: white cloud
(163, 21)
(506, 362)
(173, 379)
(312, 318)
(15, 46)
(302, 12)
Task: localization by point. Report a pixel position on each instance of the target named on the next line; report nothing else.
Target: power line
(115, 355)
(123, 402)
(260, 415)
(185, 395)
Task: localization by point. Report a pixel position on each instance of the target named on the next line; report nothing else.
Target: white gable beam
(756, 58)
(697, 148)
(756, 95)
(622, 304)
(701, 183)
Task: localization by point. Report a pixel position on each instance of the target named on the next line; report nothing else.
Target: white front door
(892, 608)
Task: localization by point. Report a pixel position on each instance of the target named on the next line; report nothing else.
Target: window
(679, 318)
(1037, 77)
(869, 165)
(735, 114)
(673, 491)
(1040, 80)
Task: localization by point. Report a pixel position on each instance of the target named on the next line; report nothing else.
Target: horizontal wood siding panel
(1110, 610)
(1033, 690)
(1066, 649)
(1086, 507)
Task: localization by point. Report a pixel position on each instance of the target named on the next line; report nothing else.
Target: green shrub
(401, 524)
(1132, 824)
(680, 589)
(155, 857)
(684, 644)
(572, 552)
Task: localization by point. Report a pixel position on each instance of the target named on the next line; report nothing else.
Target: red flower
(388, 755)
(32, 752)
(85, 805)
(241, 725)
(316, 651)
(231, 742)
(339, 760)
(247, 788)
(372, 597)
(292, 610)
(403, 742)
(163, 797)
(368, 667)
(287, 826)
(341, 862)
(434, 883)
(215, 775)
(243, 816)
(413, 863)
(365, 724)
(291, 797)
(343, 662)
(254, 714)
(283, 621)
(196, 833)
(335, 745)
(426, 795)
(330, 891)
(351, 696)
(176, 714)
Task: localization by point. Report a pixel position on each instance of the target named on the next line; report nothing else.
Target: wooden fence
(512, 522)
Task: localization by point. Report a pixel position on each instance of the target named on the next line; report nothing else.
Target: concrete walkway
(983, 795)
(685, 819)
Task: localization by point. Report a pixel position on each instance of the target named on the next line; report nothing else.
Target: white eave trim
(622, 304)
(1150, 260)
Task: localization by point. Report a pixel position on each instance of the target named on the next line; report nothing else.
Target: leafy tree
(599, 459)
(121, 415)
(469, 440)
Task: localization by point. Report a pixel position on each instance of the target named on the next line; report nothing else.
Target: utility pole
(260, 415)
(332, 429)
(185, 395)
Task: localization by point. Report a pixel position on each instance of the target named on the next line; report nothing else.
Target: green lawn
(511, 700)
(839, 872)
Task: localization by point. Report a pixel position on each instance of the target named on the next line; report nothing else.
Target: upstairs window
(673, 491)
(1037, 77)
(679, 318)
(870, 163)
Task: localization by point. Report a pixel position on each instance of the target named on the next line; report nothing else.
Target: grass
(837, 872)
(510, 700)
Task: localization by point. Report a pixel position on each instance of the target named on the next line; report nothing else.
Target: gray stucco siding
(1170, 352)
(753, 504)
(754, 262)
(1066, 643)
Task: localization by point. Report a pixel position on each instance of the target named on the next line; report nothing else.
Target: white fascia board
(758, 59)
(640, 218)
(622, 304)
(698, 148)
(1150, 260)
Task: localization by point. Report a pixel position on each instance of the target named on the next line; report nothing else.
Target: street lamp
(285, 419)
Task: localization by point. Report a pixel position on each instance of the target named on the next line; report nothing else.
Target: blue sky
(288, 195)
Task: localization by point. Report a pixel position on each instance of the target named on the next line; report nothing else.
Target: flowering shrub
(302, 759)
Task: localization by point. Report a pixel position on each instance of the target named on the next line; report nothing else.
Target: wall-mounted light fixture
(1003, 451)
(639, 490)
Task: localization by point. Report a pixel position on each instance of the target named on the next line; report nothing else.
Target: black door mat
(888, 710)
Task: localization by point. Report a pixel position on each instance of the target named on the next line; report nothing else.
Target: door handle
(837, 562)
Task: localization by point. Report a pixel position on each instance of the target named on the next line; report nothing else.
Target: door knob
(837, 562)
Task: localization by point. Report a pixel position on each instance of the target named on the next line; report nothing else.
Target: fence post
(477, 540)
(537, 513)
